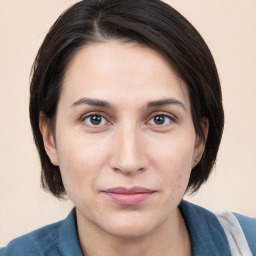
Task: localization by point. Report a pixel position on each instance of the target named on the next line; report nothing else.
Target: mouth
(128, 196)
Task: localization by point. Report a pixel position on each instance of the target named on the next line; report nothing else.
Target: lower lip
(128, 199)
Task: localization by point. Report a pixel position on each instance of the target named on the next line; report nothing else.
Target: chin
(130, 232)
(133, 227)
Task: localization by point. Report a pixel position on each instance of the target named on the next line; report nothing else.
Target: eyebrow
(92, 102)
(163, 102)
(151, 104)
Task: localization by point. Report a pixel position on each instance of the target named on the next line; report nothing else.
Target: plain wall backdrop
(228, 27)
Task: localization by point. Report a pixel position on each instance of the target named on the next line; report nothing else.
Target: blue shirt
(61, 238)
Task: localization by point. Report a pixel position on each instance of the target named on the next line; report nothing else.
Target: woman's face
(124, 140)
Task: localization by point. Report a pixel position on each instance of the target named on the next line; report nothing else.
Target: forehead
(111, 69)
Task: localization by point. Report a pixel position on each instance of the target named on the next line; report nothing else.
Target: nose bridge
(129, 154)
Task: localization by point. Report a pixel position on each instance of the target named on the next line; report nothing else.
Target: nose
(129, 150)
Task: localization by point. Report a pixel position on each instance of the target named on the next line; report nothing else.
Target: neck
(171, 238)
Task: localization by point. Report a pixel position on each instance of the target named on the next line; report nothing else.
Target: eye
(95, 120)
(160, 120)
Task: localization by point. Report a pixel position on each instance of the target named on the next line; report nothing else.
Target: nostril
(128, 170)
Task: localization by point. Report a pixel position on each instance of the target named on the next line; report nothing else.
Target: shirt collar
(69, 242)
(206, 234)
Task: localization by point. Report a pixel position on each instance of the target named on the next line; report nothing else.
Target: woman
(127, 116)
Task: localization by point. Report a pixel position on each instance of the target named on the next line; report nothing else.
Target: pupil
(159, 119)
(96, 119)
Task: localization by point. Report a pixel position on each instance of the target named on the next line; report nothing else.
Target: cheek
(77, 151)
(174, 158)
(79, 164)
(177, 153)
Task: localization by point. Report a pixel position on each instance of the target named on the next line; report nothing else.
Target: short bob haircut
(152, 23)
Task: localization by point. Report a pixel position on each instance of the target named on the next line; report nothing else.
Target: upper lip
(132, 190)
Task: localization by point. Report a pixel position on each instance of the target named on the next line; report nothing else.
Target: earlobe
(200, 142)
(48, 139)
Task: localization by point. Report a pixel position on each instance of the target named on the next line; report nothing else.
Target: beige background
(229, 28)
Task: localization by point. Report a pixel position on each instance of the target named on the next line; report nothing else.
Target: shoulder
(58, 239)
(206, 234)
(248, 226)
(38, 242)
(232, 231)
(240, 230)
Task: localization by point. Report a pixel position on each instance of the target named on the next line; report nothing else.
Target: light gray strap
(235, 235)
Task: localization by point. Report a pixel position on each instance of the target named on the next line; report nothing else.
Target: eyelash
(84, 118)
(165, 116)
(106, 122)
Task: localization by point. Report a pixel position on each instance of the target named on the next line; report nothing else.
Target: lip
(128, 196)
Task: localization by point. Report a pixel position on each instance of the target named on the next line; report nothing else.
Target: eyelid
(96, 125)
(173, 119)
(103, 115)
(166, 117)
(162, 113)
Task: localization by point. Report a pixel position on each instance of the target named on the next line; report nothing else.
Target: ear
(200, 142)
(48, 138)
